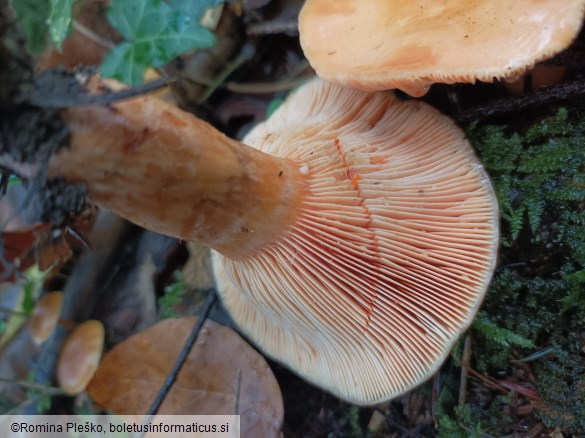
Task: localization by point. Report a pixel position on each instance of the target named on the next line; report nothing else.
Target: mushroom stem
(170, 172)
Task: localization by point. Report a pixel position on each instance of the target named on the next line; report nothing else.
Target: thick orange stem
(170, 172)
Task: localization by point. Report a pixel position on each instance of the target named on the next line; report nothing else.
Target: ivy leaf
(155, 33)
(33, 15)
(59, 20)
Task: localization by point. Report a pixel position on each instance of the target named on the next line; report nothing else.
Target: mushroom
(375, 45)
(80, 356)
(45, 317)
(355, 234)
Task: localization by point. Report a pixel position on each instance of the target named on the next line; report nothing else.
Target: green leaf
(59, 20)
(500, 335)
(155, 33)
(119, 64)
(33, 15)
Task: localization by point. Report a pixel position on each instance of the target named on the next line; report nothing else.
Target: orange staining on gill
(377, 159)
(374, 284)
(340, 152)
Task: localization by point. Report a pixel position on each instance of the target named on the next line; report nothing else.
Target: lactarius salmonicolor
(381, 44)
(354, 234)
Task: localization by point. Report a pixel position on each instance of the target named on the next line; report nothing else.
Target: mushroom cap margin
(410, 45)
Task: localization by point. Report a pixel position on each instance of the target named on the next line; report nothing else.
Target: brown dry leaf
(89, 41)
(132, 373)
(40, 243)
(18, 245)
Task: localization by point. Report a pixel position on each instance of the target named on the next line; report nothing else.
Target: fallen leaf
(17, 245)
(223, 375)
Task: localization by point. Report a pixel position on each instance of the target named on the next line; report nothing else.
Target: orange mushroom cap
(391, 251)
(80, 356)
(45, 317)
(375, 45)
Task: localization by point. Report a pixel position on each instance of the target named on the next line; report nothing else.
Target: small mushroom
(409, 45)
(80, 356)
(45, 317)
(355, 236)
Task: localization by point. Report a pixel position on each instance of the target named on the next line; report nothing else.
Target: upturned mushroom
(409, 45)
(354, 234)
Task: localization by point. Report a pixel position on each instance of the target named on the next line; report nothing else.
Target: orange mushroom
(375, 45)
(45, 317)
(80, 356)
(355, 236)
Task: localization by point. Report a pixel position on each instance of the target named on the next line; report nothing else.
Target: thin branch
(465, 364)
(31, 385)
(44, 99)
(90, 34)
(288, 82)
(6, 310)
(238, 389)
(172, 377)
(536, 98)
(49, 391)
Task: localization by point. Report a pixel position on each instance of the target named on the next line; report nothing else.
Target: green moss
(173, 295)
(536, 300)
(562, 389)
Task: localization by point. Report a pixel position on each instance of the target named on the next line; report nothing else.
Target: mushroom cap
(376, 45)
(45, 317)
(80, 356)
(391, 251)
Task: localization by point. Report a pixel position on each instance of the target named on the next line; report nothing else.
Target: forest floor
(518, 372)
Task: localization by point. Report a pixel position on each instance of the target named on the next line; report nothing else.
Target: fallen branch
(533, 99)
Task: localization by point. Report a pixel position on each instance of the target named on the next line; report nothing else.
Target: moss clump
(537, 297)
(562, 388)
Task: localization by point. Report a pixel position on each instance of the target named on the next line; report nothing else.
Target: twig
(274, 27)
(12, 312)
(49, 391)
(290, 81)
(535, 356)
(44, 99)
(465, 358)
(31, 385)
(90, 34)
(238, 389)
(170, 380)
(535, 98)
(246, 54)
(493, 383)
